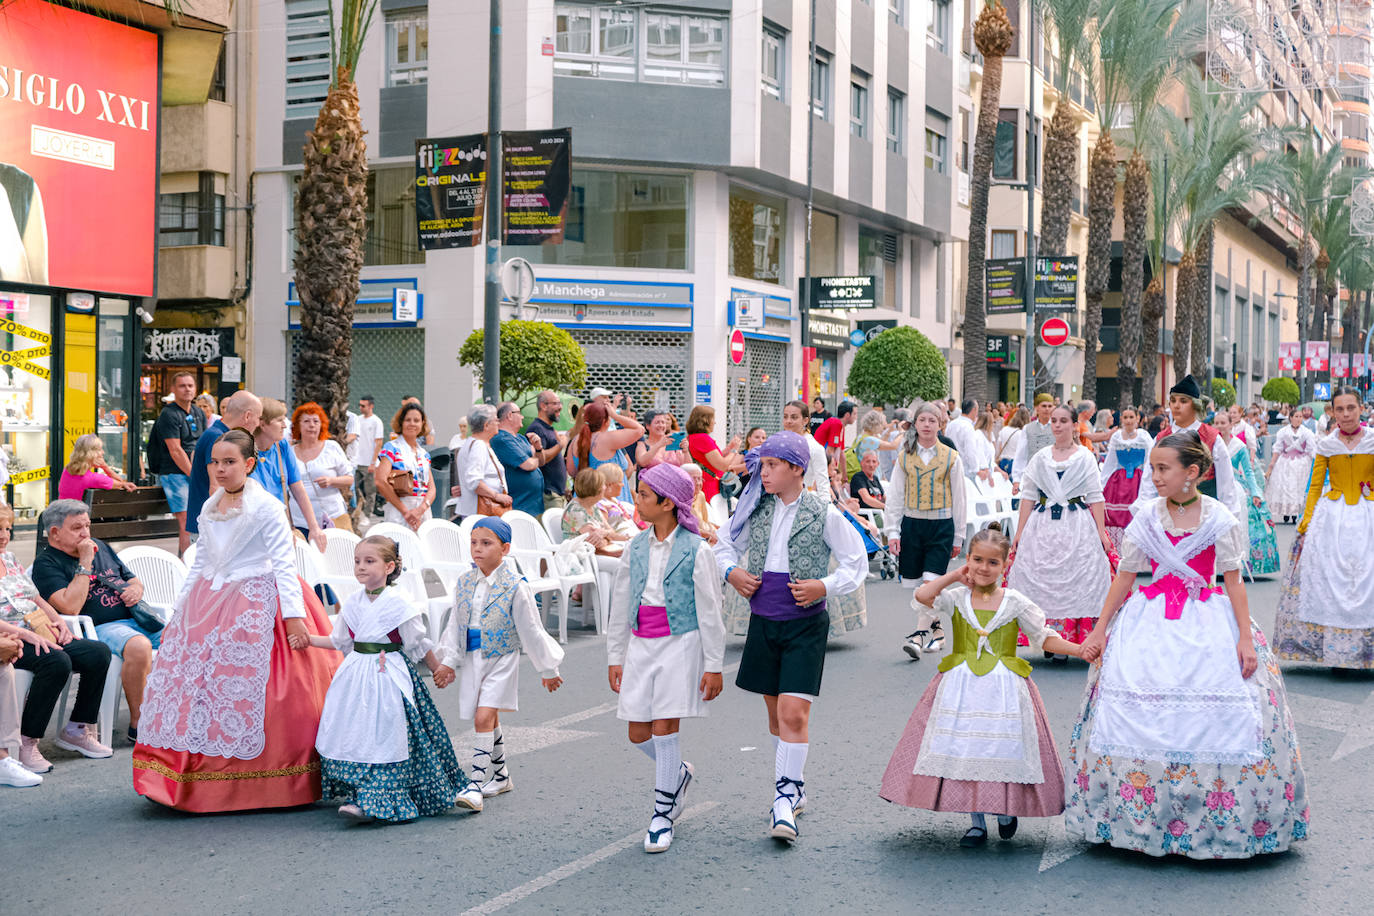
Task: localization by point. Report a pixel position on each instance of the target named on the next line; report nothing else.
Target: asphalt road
(567, 839)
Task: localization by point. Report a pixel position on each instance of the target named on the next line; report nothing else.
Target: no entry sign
(1054, 332)
(736, 346)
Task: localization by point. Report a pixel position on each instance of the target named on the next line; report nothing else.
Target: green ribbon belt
(376, 648)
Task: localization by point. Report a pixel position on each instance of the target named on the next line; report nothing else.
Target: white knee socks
(647, 747)
(668, 763)
(790, 760)
(498, 752)
(481, 756)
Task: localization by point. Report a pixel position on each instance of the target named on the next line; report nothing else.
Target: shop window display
(26, 398)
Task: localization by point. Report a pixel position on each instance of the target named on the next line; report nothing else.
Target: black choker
(233, 492)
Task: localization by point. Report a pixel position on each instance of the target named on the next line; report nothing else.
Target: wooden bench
(129, 515)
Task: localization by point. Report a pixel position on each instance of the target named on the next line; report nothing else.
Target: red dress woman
(232, 708)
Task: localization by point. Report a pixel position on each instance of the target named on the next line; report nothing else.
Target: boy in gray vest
(789, 537)
(665, 643)
(494, 616)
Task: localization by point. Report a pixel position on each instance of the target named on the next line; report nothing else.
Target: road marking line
(533, 886)
(1354, 721)
(1058, 848)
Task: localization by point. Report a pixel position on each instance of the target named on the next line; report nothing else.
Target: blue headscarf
(496, 526)
(788, 446)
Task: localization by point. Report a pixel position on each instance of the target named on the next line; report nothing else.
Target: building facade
(689, 137)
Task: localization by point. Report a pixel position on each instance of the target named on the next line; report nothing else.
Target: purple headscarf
(788, 446)
(676, 484)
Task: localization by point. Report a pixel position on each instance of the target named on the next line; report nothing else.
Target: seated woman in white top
(478, 471)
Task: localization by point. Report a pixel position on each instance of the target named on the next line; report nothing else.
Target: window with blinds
(307, 57)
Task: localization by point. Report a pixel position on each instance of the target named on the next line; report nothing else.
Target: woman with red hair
(328, 474)
(597, 445)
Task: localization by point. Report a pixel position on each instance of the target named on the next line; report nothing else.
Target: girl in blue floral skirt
(1184, 744)
(382, 743)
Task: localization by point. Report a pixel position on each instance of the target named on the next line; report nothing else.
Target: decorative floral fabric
(1199, 810)
(426, 784)
(1298, 640)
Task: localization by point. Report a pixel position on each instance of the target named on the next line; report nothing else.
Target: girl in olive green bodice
(979, 740)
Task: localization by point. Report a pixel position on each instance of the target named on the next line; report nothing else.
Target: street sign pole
(491, 317)
(1028, 369)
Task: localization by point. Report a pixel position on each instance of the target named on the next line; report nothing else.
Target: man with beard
(552, 442)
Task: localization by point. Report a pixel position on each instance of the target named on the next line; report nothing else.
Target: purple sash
(773, 600)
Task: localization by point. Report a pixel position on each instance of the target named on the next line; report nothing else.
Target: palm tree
(1356, 271)
(1161, 36)
(1310, 180)
(1218, 156)
(1163, 213)
(1070, 21)
(331, 222)
(992, 34)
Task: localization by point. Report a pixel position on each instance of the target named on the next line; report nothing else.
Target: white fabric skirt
(1336, 574)
(1171, 690)
(1287, 489)
(390, 513)
(981, 729)
(364, 717)
(1061, 566)
(491, 682)
(661, 679)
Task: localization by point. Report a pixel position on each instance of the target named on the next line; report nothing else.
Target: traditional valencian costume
(1263, 559)
(1174, 752)
(1060, 564)
(784, 652)
(382, 742)
(979, 739)
(1294, 450)
(666, 631)
(231, 711)
(1219, 482)
(1121, 474)
(1326, 611)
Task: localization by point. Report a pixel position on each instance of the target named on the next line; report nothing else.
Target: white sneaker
(499, 784)
(12, 773)
(470, 798)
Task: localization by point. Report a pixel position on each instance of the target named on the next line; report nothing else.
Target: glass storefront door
(113, 384)
(26, 398)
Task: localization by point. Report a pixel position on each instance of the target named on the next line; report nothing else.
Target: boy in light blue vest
(790, 537)
(665, 644)
(494, 616)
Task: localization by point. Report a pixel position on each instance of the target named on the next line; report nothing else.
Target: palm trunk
(1060, 176)
(1151, 313)
(1202, 308)
(1184, 294)
(992, 33)
(331, 227)
(1101, 208)
(1304, 330)
(1135, 204)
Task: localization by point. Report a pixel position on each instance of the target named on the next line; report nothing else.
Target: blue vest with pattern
(808, 555)
(679, 586)
(498, 620)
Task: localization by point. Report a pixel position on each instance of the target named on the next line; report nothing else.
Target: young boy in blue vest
(494, 616)
(789, 536)
(665, 644)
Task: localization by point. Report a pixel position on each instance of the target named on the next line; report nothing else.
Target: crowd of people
(772, 536)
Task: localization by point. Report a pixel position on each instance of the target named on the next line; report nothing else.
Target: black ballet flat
(975, 837)
(1007, 831)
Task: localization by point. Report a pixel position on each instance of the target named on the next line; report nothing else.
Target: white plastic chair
(575, 563)
(534, 556)
(308, 562)
(446, 548)
(189, 557)
(981, 507)
(553, 524)
(82, 627)
(413, 562)
(336, 564)
(717, 512)
(161, 573)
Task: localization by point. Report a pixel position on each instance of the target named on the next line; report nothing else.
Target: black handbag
(146, 618)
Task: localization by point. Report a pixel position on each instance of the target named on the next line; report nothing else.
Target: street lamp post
(491, 315)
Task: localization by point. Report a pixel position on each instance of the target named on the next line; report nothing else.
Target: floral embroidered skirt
(1298, 640)
(424, 784)
(1183, 807)
(904, 787)
(1264, 547)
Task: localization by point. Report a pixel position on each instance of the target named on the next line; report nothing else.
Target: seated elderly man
(78, 574)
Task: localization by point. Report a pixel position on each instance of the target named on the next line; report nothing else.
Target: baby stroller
(878, 554)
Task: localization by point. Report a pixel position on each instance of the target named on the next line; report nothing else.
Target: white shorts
(662, 678)
(492, 682)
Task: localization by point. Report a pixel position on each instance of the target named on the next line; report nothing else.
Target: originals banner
(536, 168)
(450, 191)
